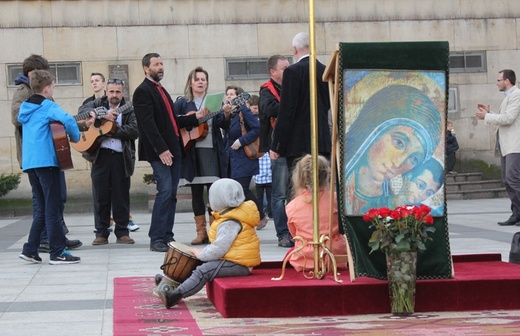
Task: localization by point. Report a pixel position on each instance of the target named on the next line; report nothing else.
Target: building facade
(233, 39)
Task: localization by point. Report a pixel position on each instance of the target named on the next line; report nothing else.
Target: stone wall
(188, 33)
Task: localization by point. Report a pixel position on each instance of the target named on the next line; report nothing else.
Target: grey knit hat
(225, 193)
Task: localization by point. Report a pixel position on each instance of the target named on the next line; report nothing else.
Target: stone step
(462, 186)
(463, 177)
(473, 185)
(477, 194)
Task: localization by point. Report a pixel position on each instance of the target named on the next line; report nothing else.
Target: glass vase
(401, 268)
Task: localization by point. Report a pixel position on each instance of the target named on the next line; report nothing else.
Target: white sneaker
(132, 226)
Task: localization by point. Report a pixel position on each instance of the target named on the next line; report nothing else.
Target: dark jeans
(280, 175)
(111, 190)
(163, 213)
(44, 237)
(264, 190)
(245, 182)
(47, 210)
(511, 179)
(450, 162)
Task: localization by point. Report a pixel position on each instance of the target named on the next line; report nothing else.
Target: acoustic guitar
(61, 140)
(90, 140)
(192, 134)
(61, 145)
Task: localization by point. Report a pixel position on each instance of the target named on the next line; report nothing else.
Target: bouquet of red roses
(406, 228)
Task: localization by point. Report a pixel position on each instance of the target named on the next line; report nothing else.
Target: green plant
(405, 228)
(8, 183)
(148, 179)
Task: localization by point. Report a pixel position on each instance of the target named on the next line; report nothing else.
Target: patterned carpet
(156, 320)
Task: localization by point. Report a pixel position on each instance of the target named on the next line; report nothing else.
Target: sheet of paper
(214, 101)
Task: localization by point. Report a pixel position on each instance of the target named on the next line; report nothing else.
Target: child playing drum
(234, 247)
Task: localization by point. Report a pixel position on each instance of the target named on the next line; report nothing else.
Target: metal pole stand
(323, 252)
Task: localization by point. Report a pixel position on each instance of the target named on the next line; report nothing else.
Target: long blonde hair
(301, 178)
(188, 91)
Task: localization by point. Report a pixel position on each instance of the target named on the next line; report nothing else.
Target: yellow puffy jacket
(245, 249)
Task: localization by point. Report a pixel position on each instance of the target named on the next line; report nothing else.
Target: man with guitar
(24, 92)
(113, 163)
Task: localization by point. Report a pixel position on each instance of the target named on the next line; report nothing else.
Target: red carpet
(138, 312)
(482, 282)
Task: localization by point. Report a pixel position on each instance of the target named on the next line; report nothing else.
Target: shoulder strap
(269, 85)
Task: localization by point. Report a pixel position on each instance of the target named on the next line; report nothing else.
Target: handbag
(251, 149)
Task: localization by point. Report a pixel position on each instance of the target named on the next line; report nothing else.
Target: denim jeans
(44, 237)
(47, 210)
(163, 213)
(207, 272)
(245, 182)
(279, 195)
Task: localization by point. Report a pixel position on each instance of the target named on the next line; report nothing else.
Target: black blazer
(156, 133)
(292, 134)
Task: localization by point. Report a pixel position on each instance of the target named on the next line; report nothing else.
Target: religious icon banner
(391, 131)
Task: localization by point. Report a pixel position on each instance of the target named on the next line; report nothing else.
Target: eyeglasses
(116, 81)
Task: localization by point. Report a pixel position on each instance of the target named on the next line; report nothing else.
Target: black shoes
(34, 258)
(157, 279)
(44, 247)
(64, 258)
(511, 221)
(73, 244)
(170, 297)
(158, 246)
(69, 245)
(286, 241)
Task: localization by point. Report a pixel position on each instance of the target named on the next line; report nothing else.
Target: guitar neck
(101, 111)
(209, 116)
(236, 102)
(82, 116)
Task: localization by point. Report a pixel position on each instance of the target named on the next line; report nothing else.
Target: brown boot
(202, 234)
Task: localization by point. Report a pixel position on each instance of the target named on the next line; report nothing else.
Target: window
(68, 73)
(453, 100)
(471, 61)
(246, 68)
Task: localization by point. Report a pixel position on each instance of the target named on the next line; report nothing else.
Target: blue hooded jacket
(37, 145)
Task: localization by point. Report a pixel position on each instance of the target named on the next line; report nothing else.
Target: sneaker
(286, 241)
(125, 240)
(262, 224)
(34, 258)
(132, 226)
(64, 258)
(100, 241)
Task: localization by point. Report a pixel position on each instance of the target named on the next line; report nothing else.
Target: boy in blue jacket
(40, 162)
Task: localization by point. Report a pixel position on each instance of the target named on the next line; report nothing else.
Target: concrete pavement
(37, 299)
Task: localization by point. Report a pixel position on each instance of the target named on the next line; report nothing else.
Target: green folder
(214, 101)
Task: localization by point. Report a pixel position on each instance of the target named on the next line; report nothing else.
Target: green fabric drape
(426, 56)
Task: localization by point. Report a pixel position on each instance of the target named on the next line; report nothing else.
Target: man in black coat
(268, 106)
(292, 134)
(161, 145)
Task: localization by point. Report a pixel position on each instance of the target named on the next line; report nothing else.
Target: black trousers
(111, 191)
